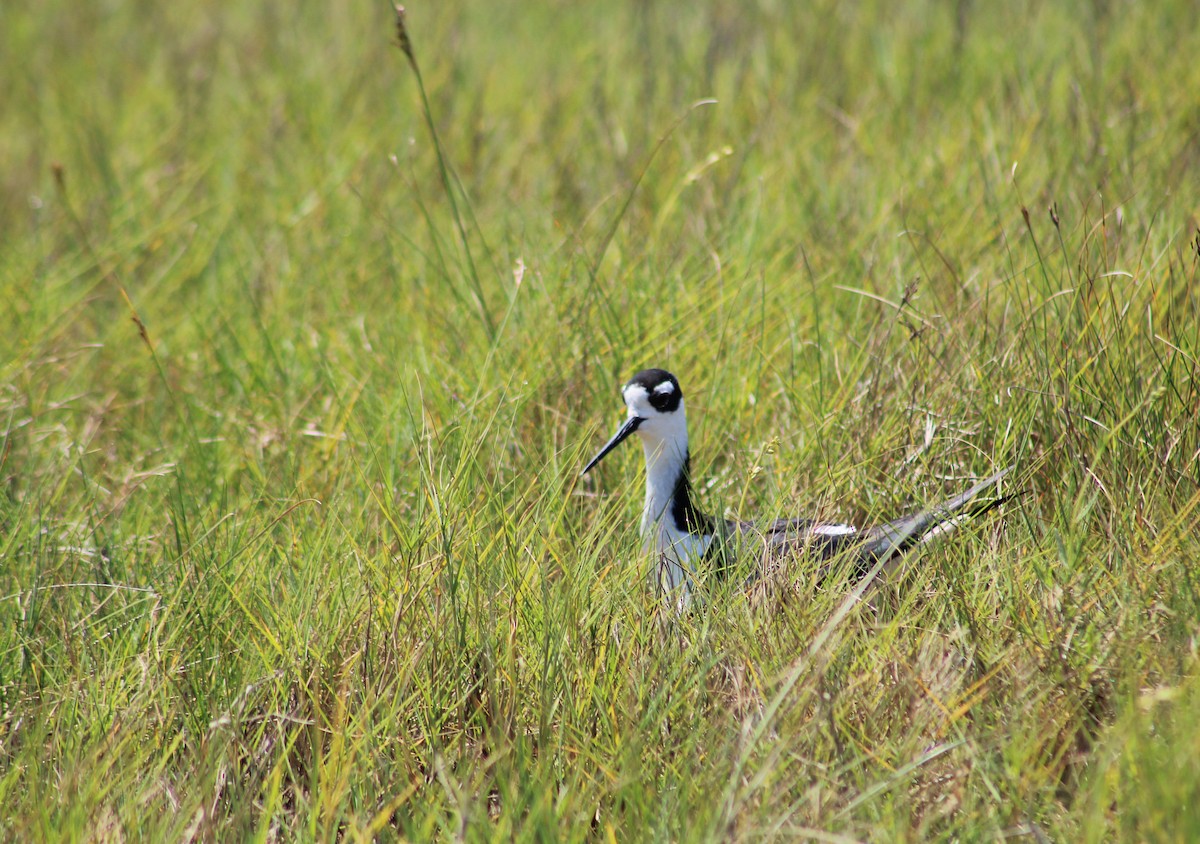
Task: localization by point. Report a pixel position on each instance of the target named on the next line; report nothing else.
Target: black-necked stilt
(683, 537)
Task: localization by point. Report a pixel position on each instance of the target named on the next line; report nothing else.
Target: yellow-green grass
(292, 539)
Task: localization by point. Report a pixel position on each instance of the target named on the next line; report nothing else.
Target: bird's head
(654, 405)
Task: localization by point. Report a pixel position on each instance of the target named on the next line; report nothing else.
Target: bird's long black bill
(631, 425)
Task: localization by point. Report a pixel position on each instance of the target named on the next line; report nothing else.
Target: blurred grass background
(293, 544)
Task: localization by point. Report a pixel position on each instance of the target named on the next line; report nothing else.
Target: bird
(682, 537)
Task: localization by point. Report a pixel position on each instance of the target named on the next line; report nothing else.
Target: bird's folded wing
(825, 540)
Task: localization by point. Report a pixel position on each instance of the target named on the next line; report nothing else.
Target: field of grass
(293, 542)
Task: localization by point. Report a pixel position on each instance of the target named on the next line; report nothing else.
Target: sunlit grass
(293, 542)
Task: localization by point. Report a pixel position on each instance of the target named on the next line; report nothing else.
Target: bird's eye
(664, 398)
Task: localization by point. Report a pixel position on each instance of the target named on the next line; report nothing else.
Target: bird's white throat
(665, 460)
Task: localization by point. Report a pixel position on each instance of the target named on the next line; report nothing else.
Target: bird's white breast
(675, 555)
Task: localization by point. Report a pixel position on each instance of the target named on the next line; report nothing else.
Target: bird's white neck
(673, 530)
(666, 462)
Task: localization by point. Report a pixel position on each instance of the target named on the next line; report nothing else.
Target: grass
(294, 544)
